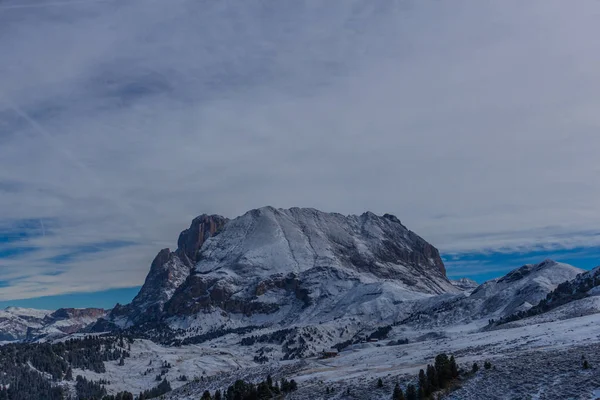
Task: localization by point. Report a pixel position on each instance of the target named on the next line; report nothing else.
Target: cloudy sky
(476, 123)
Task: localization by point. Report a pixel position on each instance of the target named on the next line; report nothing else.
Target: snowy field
(539, 361)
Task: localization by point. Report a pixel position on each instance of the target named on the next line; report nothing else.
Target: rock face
(284, 266)
(168, 271)
(191, 240)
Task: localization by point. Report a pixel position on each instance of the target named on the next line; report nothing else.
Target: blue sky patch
(102, 299)
(484, 266)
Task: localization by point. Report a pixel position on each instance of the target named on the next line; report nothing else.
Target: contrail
(128, 211)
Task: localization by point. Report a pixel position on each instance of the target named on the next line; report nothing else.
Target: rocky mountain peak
(465, 284)
(70, 313)
(301, 262)
(202, 227)
(528, 269)
(169, 270)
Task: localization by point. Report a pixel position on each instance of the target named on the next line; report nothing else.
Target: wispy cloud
(474, 122)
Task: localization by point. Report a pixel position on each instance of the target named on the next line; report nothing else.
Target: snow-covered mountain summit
(285, 266)
(523, 287)
(15, 321)
(465, 284)
(18, 323)
(519, 290)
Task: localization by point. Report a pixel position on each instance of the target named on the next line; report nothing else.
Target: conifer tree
(411, 392)
(453, 368)
(432, 379)
(424, 390)
(397, 395)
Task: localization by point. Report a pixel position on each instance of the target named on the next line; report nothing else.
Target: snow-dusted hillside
(15, 321)
(465, 284)
(26, 323)
(518, 290)
(576, 296)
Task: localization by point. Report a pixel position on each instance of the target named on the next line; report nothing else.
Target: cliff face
(191, 240)
(169, 270)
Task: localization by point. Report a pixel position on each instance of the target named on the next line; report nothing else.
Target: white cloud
(473, 122)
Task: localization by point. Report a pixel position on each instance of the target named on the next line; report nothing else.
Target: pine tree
(69, 374)
(443, 369)
(217, 395)
(424, 390)
(586, 365)
(432, 379)
(453, 368)
(206, 395)
(411, 392)
(487, 365)
(397, 395)
(379, 383)
(475, 368)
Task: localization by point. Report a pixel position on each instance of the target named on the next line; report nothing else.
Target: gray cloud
(474, 122)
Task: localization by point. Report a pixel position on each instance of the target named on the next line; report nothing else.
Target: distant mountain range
(25, 323)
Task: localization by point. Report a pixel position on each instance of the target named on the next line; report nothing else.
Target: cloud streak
(475, 123)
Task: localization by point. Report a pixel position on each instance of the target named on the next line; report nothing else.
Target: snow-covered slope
(15, 321)
(572, 297)
(518, 290)
(522, 288)
(26, 323)
(465, 284)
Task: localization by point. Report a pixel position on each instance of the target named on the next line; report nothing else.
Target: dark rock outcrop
(168, 271)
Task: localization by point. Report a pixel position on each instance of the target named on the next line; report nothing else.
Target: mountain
(26, 323)
(465, 284)
(285, 267)
(584, 286)
(518, 290)
(15, 321)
